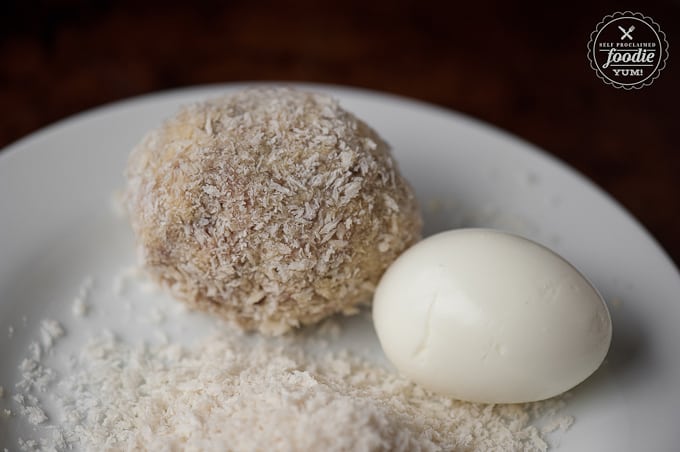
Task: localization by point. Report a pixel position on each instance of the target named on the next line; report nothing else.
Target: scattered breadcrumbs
(80, 307)
(242, 393)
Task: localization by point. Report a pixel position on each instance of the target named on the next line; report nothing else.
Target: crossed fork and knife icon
(627, 33)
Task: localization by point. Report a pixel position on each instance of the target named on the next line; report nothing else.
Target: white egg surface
(487, 316)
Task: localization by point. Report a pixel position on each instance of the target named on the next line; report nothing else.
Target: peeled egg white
(487, 316)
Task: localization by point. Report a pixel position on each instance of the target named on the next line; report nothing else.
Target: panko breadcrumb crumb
(271, 207)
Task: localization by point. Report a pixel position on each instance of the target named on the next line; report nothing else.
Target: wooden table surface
(521, 69)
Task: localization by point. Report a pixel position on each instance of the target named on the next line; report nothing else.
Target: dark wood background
(520, 67)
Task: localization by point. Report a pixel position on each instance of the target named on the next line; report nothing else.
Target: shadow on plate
(629, 352)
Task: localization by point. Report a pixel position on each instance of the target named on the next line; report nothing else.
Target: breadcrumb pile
(239, 393)
(220, 390)
(225, 393)
(271, 207)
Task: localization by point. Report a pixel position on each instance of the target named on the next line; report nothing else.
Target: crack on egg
(422, 345)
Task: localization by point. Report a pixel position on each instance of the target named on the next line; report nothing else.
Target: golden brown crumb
(271, 207)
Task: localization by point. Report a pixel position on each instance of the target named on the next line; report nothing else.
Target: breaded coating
(271, 207)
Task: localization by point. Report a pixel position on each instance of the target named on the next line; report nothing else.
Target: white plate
(57, 226)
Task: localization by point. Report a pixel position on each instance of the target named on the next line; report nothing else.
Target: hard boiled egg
(487, 316)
